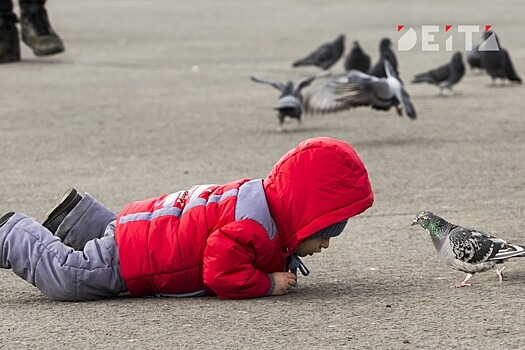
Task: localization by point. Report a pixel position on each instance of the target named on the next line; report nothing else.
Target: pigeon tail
(409, 109)
(510, 72)
(510, 251)
(422, 78)
(303, 62)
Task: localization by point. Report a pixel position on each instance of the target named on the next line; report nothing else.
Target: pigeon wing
(276, 84)
(363, 90)
(323, 99)
(343, 92)
(433, 76)
(474, 247)
(304, 82)
(456, 72)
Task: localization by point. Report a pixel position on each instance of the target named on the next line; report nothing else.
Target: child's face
(312, 246)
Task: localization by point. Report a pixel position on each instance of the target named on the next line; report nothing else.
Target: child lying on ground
(238, 240)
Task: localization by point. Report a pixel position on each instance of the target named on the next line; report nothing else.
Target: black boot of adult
(37, 32)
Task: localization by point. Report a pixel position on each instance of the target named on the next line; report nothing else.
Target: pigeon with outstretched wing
(290, 102)
(355, 88)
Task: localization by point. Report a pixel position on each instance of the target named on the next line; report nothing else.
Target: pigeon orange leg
(500, 275)
(399, 110)
(443, 93)
(464, 283)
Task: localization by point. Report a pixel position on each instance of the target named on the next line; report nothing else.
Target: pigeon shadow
(63, 61)
(477, 73)
(393, 142)
(504, 85)
(299, 130)
(41, 61)
(438, 96)
(453, 94)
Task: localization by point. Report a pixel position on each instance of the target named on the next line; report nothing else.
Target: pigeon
(357, 59)
(444, 76)
(291, 100)
(465, 249)
(474, 58)
(325, 55)
(355, 88)
(385, 53)
(497, 63)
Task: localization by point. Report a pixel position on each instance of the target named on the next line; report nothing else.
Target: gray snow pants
(83, 267)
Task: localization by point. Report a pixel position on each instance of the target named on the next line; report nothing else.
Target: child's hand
(284, 281)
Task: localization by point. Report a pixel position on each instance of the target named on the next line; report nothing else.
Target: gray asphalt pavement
(154, 96)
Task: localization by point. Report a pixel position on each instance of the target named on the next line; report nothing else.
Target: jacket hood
(319, 183)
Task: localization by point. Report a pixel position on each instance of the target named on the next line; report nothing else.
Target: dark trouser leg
(6, 7)
(31, 6)
(60, 272)
(9, 41)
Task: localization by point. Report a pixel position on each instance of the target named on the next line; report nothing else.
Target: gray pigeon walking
(357, 59)
(325, 55)
(355, 88)
(467, 250)
(497, 63)
(385, 54)
(444, 76)
(290, 102)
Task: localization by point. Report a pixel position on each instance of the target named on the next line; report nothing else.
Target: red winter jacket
(226, 239)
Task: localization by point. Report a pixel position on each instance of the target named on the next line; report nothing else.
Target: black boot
(61, 209)
(9, 42)
(38, 34)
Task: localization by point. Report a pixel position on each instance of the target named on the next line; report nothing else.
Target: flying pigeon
(290, 101)
(325, 55)
(467, 250)
(385, 53)
(357, 59)
(474, 58)
(355, 88)
(497, 63)
(444, 76)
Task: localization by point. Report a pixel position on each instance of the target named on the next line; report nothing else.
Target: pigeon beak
(414, 223)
